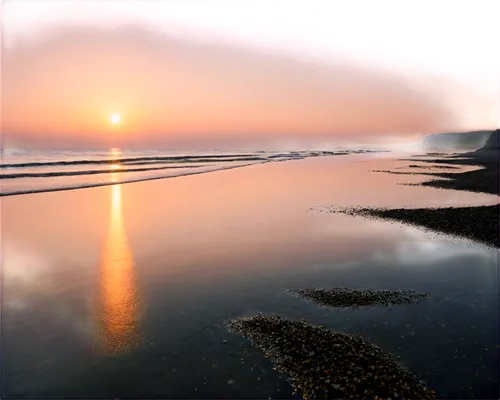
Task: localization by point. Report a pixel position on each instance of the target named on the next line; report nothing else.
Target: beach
(122, 290)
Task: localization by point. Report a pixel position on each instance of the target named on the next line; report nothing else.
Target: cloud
(186, 77)
(412, 35)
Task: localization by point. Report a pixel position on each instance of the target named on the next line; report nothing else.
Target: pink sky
(66, 71)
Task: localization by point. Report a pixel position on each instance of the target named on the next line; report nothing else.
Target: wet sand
(135, 280)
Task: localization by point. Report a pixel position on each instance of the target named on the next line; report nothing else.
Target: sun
(115, 119)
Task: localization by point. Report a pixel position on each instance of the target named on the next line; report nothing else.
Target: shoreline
(97, 185)
(476, 223)
(309, 155)
(482, 180)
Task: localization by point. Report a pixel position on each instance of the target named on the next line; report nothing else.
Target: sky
(225, 73)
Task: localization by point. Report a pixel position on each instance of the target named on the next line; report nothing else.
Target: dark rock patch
(355, 298)
(480, 224)
(325, 364)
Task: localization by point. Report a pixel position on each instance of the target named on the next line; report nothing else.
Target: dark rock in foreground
(330, 365)
(480, 223)
(345, 297)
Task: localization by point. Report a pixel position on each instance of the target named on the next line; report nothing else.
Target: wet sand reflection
(119, 301)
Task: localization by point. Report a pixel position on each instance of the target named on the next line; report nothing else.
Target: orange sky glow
(63, 81)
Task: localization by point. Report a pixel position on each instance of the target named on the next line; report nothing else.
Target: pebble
(346, 297)
(476, 223)
(354, 366)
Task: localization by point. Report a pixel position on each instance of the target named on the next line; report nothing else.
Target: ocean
(31, 171)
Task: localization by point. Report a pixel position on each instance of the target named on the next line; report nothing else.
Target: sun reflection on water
(118, 299)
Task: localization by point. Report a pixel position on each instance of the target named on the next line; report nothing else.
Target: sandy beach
(122, 290)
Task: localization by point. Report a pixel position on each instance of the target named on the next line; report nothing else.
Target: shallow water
(37, 171)
(122, 291)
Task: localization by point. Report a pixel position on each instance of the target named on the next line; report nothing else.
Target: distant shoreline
(476, 223)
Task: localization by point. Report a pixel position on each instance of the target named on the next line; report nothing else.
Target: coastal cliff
(449, 142)
(493, 142)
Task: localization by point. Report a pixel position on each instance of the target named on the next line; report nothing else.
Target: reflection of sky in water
(206, 249)
(118, 303)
